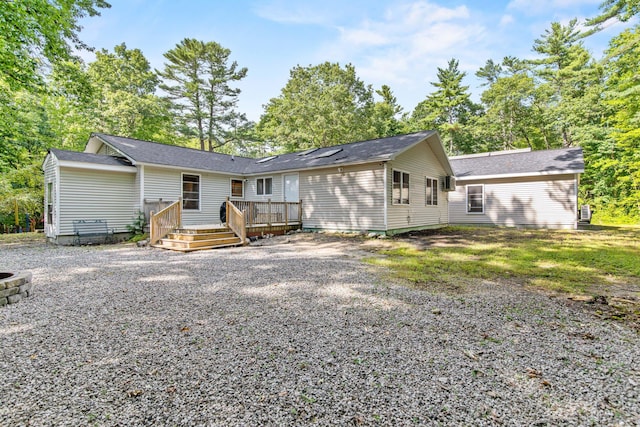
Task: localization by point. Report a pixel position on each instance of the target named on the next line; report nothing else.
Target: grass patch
(22, 237)
(580, 262)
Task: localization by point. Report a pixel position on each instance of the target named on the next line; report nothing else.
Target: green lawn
(578, 262)
(22, 237)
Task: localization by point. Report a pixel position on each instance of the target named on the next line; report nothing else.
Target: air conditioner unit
(449, 183)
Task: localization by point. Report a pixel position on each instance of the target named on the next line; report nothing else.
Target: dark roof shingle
(541, 162)
(100, 159)
(170, 155)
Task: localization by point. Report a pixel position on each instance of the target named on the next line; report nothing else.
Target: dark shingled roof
(543, 162)
(171, 155)
(100, 159)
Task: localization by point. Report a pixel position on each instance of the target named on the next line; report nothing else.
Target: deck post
(269, 212)
(300, 212)
(226, 214)
(286, 214)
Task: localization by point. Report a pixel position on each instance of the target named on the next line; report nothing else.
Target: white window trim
(467, 199)
(231, 187)
(199, 191)
(432, 187)
(392, 201)
(263, 186)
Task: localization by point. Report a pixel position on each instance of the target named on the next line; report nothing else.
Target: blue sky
(398, 43)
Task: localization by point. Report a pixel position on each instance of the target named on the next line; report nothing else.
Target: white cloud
(544, 6)
(409, 39)
(506, 20)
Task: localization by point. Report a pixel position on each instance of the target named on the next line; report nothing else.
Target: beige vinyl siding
(166, 184)
(545, 202)
(91, 194)
(420, 162)
(276, 188)
(50, 170)
(348, 200)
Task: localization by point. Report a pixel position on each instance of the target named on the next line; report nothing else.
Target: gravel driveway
(295, 332)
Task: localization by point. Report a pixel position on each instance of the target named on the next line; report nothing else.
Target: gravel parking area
(294, 332)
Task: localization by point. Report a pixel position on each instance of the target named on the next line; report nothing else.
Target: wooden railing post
(300, 212)
(165, 221)
(286, 213)
(269, 212)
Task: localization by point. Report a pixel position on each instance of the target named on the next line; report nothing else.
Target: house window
(50, 203)
(263, 186)
(190, 192)
(400, 188)
(431, 192)
(237, 188)
(475, 198)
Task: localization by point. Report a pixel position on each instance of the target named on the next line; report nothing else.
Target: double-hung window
(264, 186)
(431, 192)
(400, 188)
(475, 198)
(190, 192)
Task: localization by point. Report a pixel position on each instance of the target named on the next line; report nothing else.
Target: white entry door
(291, 193)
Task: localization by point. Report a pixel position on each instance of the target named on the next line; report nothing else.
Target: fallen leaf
(185, 329)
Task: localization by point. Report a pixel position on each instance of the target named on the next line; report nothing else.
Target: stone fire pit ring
(14, 287)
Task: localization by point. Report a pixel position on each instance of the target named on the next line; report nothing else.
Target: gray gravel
(292, 334)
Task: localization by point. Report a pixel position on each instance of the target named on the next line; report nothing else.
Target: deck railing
(269, 213)
(165, 221)
(236, 221)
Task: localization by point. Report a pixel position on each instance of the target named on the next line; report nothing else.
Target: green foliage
(39, 32)
(197, 78)
(320, 106)
(449, 110)
(137, 226)
(124, 101)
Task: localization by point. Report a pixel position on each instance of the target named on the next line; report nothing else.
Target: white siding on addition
(348, 198)
(543, 202)
(420, 162)
(95, 195)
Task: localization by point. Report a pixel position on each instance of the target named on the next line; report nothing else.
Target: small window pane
(267, 186)
(405, 189)
(434, 187)
(397, 176)
(260, 186)
(237, 188)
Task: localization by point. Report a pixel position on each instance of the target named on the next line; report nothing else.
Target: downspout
(384, 183)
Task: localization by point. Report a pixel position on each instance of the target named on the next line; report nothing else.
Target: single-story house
(517, 188)
(387, 185)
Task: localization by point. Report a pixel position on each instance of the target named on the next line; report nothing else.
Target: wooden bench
(90, 229)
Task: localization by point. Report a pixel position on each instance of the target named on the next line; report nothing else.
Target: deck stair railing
(236, 221)
(165, 221)
(269, 213)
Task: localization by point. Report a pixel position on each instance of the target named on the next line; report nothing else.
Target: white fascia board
(518, 175)
(95, 166)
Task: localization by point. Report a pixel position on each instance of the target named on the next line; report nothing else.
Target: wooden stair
(188, 240)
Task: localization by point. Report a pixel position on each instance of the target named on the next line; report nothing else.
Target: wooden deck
(245, 219)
